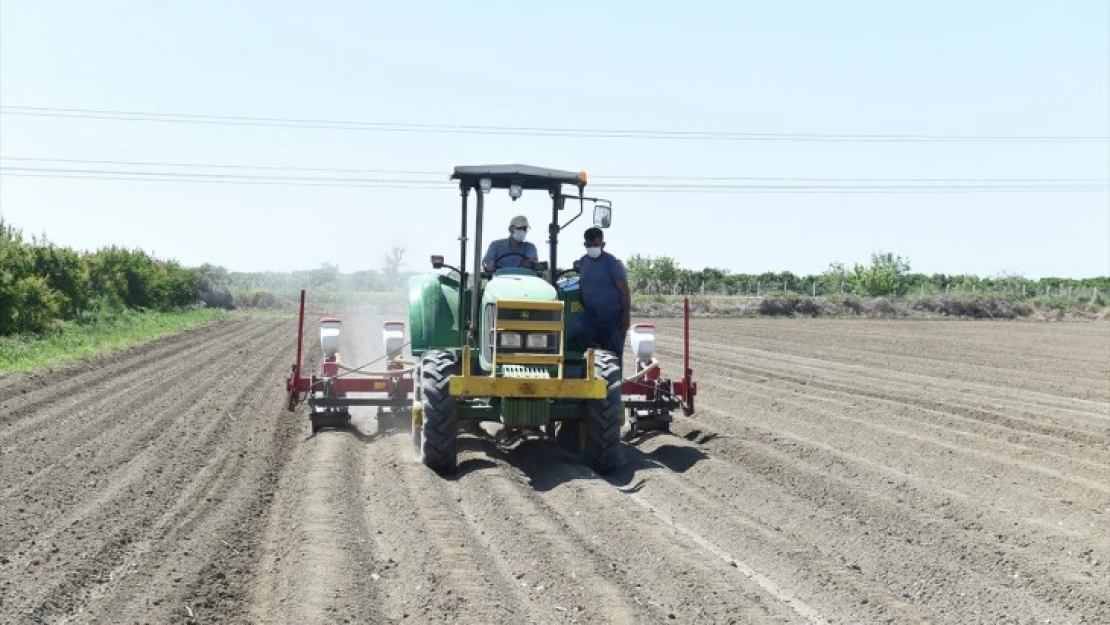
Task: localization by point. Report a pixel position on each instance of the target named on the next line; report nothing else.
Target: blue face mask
(518, 235)
(594, 252)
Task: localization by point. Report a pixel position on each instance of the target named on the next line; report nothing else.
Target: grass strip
(96, 335)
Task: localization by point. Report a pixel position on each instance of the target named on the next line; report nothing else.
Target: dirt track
(836, 471)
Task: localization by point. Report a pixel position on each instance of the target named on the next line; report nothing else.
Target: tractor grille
(516, 412)
(525, 412)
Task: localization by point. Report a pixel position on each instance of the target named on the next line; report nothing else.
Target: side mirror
(437, 261)
(603, 215)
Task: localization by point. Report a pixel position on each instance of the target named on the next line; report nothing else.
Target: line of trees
(43, 285)
(325, 277)
(263, 288)
(886, 275)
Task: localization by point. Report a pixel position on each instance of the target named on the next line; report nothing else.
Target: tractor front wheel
(439, 420)
(601, 448)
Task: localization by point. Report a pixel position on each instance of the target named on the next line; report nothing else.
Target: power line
(410, 172)
(117, 175)
(622, 186)
(368, 184)
(609, 133)
(187, 176)
(400, 172)
(449, 184)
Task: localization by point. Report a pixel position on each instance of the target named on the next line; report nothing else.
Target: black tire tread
(438, 448)
(602, 451)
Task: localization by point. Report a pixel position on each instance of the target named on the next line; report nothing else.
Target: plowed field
(835, 471)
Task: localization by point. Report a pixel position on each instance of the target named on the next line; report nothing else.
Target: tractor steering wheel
(508, 254)
(489, 274)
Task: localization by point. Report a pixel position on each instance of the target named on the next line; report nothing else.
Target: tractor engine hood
(512, 286)
(507, 285)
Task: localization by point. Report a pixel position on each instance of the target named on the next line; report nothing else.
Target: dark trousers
(593, 329)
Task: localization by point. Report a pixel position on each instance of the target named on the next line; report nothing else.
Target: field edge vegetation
(98, 334)
(58, 304)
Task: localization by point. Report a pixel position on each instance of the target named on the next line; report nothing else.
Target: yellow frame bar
(467, 386)
(480, 386)
(529, 359)
(530, 326)
(528, 304)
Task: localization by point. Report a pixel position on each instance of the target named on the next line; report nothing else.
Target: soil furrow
(796, 567)
(924, 426)
(836, 471)
(38, 392)
(908, 526)
(1089, 414)
(563, 577)
(1002, 393)
(88, 465)
(940, 350)
(981, 358)
(180, 551)
(911, 389)
(325, 553)
(671, 573)
(987, 485)
(192, 430)
(461, 582)
(73, 448)
(87, 410)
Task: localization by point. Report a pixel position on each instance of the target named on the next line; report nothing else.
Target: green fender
(433, 300)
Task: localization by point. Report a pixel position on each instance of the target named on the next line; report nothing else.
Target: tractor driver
(606, 299)
(518, 230)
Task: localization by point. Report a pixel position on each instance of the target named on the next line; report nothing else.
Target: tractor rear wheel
(439, 422)
(602, 446)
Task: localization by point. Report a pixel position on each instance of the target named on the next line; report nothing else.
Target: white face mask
(518, 235)
(594, 252)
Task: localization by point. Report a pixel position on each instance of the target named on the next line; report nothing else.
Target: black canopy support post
(475, 300)
(581, 200)
(553, 233)
(464, 191)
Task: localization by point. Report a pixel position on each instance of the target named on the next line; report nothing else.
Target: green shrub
(42, 284)
(34, 306)
(885, 276)
(67, 274)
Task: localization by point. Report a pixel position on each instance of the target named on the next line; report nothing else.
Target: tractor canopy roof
(525, 176)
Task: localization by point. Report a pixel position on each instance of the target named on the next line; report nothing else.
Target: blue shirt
(597, 279)
(501, 246)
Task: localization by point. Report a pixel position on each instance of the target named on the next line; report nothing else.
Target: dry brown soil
(835, 471)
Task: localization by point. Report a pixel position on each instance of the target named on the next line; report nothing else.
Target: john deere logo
(524, 314)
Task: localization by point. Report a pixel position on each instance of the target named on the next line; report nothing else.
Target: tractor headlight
(509, 340)
(539, 341)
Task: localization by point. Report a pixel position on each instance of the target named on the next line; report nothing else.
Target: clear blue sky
(936, 67)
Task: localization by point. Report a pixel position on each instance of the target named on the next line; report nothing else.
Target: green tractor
(496, 346)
